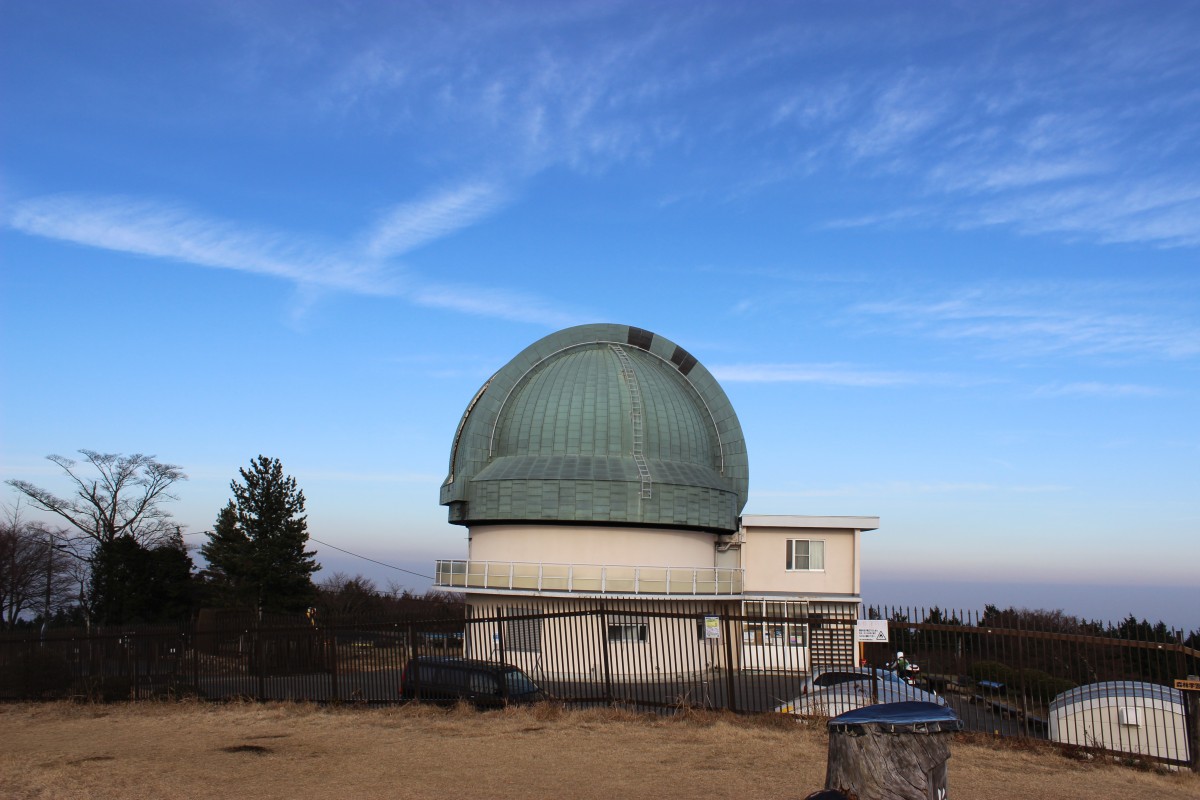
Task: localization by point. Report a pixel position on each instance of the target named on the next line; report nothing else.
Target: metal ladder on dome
(635, 416)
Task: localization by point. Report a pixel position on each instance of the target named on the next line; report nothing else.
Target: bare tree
(125, 499)
(340, 594)
(35, 575)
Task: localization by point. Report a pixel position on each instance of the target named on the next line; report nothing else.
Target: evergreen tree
(134, 583)
(256, 550)
(227, 552)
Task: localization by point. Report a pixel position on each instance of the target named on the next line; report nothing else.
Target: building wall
(579, 544)
(764, 558)
(576, 645)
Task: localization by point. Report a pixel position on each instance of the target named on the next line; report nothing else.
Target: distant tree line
(1040, 619)
(341, 597)
(121, 559)
(1079, 650)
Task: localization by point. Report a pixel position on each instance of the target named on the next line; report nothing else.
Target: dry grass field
(194, 750)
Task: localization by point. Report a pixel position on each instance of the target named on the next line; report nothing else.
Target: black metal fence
(1086, 688)
(1089, 685)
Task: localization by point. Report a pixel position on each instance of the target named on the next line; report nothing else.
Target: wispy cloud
(488, 302)
(369, 477)
(1068, 141)
(894, 488)
(901, 113)
(1004, 175)
(1095, 389)
(885, 219)
(827, 374)
(171, 232)
(1044, 121)
(411, 225)
(1164, 212)
(1050, 319)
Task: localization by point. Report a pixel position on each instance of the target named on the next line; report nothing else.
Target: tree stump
(894, 751)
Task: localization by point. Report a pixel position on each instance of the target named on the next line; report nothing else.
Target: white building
(605, 464)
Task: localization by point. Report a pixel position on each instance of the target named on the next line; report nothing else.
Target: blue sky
(943, 258)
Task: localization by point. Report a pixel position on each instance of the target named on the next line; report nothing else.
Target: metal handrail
(636, 580)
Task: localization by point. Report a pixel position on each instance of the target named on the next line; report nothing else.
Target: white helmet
(899, 655)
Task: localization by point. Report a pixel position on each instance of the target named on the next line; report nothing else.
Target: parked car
(836, 691)
(484, 683)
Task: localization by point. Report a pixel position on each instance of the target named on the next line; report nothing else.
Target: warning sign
(712, 628)
(871, 630)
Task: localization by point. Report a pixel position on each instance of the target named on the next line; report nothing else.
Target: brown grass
(194, 750)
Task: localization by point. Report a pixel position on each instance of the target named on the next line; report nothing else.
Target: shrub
(1044, 686)
(993, 671)
(35, 675)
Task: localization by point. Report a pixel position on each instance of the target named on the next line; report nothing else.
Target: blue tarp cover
(907, 717)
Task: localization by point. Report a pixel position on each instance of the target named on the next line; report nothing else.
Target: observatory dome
(603, 423)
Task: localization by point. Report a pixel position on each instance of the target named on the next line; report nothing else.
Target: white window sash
(806, 555)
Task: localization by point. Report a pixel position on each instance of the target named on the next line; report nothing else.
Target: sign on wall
(871, 630)
(712, 628)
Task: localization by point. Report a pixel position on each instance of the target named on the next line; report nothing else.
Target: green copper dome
(600, 423)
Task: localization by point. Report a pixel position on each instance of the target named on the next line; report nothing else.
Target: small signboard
(872, 630)
(712, 627)
(1187, 685)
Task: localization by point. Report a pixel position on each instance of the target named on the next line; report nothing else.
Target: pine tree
(256, 550)
(226, 552)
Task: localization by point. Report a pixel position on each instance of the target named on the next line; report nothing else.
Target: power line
(373, 561)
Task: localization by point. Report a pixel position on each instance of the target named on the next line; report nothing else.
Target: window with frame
(628, 632)
(805, 555)
(776, 629)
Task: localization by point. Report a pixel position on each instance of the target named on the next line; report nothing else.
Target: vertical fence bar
(334, 666)
(730, 698)
(608, 693)
(500, 616)
(1192, 726)
(1021, 679)
(259, 663)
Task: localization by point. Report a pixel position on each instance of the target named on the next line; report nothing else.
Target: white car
(836, 691)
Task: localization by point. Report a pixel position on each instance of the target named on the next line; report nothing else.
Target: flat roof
(808, 521)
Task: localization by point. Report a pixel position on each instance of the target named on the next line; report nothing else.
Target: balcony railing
(588, 578)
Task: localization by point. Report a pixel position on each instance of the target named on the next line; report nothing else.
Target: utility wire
(373, 561)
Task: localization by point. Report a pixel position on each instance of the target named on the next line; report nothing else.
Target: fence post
(730, 698)
(261, 668)
(1021, 679)
(1193, 727)
(410, 647)
(333, 666)
(134, 644)
(500, 633)
(195, 661)
(874, 686)
(608, 695)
